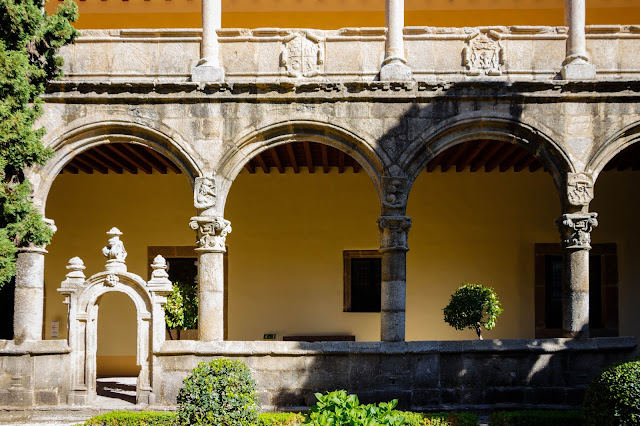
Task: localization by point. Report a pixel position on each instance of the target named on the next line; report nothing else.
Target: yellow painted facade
(289, 233)
(334, 14)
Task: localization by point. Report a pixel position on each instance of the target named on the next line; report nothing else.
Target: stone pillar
(28, 310)
(394, 66)
(576, 65)
(212, 232)
(208, 68)
(575, 229)
(393, 246)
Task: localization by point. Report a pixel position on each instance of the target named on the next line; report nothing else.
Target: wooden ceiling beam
(435, 162)
(525, 162)
(165, 161)
(262, 164)
(95, 155)
(142, 163)
(71, 169)
(115, 157)
(250, 167)
(292, 158)
(325, 158)
(276, 160)
(356, 166)
(535, 166)
(500, 156)
(456, 152)
(340, 161)
(308, 156)
(471, 154)
(91, 163)
(511, 161)
(81, 166)
(486, 154)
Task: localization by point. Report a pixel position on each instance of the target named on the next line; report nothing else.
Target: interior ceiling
(475, 156)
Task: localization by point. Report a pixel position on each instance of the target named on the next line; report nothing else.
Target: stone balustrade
(349, 54)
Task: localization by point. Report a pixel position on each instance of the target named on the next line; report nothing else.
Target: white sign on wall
(55, 326)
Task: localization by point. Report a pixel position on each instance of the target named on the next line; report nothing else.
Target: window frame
(347, 256)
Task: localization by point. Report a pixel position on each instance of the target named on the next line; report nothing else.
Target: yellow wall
(289, 232)
(116, 336)
(334, 14)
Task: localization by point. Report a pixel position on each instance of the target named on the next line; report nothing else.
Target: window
(362, 279)
(603, 290)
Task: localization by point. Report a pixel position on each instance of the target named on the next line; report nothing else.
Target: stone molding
(211, 233)
(575, 229)
(394, 232)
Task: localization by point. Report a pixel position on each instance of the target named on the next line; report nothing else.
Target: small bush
(473, 306)
(439, 419)
(280, 419)
(220, 393)
(537, 417)
(129, 418)
(338, 408)
(613, 397)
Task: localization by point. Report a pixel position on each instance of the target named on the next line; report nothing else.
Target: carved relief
(115, 252)
(211, 232)
(483, 55)
(111, 280)
(576, 228)
(579, 189)
(394, 233)
(204, 193)
(395, 191)
(302, 55)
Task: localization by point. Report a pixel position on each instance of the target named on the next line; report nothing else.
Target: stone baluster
(208, 68)
(28, 308)
(575, 229)
(393, 246)
(394, 66)
(576, 65)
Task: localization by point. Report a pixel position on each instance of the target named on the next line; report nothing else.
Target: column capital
(575, 229)
(211, 233)
(394, 232)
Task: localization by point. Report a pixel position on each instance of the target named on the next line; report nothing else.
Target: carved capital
(211, 232)
(579, 189)
(394, 232)
(575, 229)
(204, 193)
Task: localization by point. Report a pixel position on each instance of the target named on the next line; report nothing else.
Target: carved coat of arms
(483, 55)
(302, 55)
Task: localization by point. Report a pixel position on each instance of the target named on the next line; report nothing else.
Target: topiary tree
(220, 393)
(473, 306)
(613, 397)
(29, 41)
(181, 310)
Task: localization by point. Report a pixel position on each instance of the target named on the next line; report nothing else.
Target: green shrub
(132, 418)
(537, 417)
(280, 419)
(613, 397)
(220, 393)
(338, 408)
(439, 419)
(473, 306)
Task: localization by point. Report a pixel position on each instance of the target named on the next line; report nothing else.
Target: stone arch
(459, 130)
(297, 131)
(85, 135)
(617, 143)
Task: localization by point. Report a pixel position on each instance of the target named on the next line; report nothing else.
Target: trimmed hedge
(133, 418)
(439, 419)
(280, 419)
(537, 417)
(613, 397)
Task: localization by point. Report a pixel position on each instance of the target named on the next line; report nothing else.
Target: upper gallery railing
(350, 54)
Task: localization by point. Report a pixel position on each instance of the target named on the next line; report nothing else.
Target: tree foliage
(473, 306)
(181, 310)
(29, 41)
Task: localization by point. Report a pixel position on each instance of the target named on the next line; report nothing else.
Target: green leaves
(29, 41)
(181, 310)
(473, 306)
(340, 409)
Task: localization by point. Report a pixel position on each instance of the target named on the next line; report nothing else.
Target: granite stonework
(286, 85)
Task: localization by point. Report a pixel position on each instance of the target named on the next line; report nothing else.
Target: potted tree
(473, 306)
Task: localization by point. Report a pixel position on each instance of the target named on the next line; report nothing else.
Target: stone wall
(422, 375)
(349, 54)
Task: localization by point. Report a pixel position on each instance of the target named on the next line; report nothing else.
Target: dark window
(183, 270)
(603, 290)
(362, 279)
(6, 309)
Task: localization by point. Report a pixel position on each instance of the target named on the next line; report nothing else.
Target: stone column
(576, 65)
(212, 232)
(393, 246)
(394, 66)
(28, 310)
(208, 68)
(575, 229)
